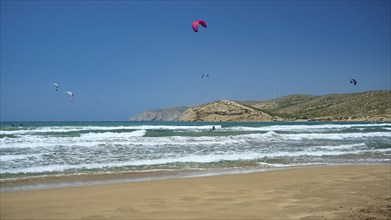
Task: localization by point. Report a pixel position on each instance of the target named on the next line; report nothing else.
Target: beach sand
(330, 192)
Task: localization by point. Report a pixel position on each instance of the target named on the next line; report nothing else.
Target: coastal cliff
(365, 106)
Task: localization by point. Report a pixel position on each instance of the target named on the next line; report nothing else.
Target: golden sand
(332, 192)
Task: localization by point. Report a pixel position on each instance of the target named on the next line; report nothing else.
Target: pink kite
(195, 24)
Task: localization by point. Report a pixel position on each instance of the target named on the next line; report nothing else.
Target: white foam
(210, 158)
(5, 158)
(112, 135)
(344, 146)
(335, 136)
(292, 128)
(137, 138)
(313, 136)
(64, 129)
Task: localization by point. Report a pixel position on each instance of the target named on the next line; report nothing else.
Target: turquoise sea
(37, 149)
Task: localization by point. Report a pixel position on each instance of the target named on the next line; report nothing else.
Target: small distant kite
(196, 23)
(56, 86)
(70, 95)
(207, 75)
(98, 103)
(353, 81)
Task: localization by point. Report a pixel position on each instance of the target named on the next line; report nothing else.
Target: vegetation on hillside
(365, 106)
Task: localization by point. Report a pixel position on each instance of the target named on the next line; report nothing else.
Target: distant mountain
(366, 106)
(169, 114)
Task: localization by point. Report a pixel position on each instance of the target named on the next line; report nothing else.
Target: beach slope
(331, 192)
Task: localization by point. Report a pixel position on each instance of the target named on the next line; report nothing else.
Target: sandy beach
(331, 192)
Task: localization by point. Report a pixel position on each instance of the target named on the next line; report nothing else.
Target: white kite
(70, 95)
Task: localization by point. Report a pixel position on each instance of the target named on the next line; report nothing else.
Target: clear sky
(137, 55)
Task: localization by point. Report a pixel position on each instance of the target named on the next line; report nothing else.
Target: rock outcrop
(225, 110)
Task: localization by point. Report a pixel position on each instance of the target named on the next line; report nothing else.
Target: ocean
(42, 149)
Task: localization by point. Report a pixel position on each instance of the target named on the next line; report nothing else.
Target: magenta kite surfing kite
(195, 24)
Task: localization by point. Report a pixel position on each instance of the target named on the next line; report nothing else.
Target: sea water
(37, 149)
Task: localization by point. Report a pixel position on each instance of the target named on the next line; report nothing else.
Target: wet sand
(331, 192)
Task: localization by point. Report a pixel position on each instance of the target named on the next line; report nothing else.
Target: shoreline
(324, 192)
(95, 179)
(83, 179)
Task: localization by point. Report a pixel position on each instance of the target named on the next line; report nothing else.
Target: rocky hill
(366, 106)
(225, 110)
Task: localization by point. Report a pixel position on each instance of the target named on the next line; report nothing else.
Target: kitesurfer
(56, 86)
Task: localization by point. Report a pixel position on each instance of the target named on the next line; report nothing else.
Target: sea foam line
(137, 138)
(210, 158)
(65, 129)
(322, 127)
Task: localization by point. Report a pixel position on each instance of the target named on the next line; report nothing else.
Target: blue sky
(137, 55)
